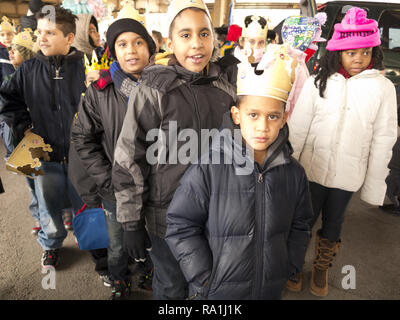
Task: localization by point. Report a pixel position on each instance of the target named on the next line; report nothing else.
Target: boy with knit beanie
(97, 126)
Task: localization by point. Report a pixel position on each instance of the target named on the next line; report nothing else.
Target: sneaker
(145, 280)
(121, 290)
(50, 258)
(36, 228)
(107, 282)
(67, 218)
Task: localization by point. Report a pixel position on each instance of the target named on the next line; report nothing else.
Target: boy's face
(254, 43)
(6, 38)
(94, 35)
(356, 61)
(132, 53)
(51, 40)
(15, 57)
(260, 119)
(192, 40)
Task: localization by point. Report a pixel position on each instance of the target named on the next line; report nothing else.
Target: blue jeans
(169, 282)
(51, 189)
(117, 257)
(6, 136)
(34, 205)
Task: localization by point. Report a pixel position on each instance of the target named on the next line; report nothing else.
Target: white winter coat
(345, 139)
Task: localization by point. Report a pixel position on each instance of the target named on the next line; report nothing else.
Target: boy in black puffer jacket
(239, 224)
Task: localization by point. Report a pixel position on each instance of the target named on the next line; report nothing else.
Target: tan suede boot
(325, 252)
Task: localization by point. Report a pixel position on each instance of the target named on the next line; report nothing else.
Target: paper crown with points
(176, 6)
(95, 64)
(25, 39)
(277, 78)
(254, 29)
(6, 25)
(128, 11)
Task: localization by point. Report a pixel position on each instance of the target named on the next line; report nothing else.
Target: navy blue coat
(45, 92)
(241, 236)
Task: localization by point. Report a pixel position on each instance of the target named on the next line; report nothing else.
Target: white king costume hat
(254, 29)
(279, 70)
(176, 6)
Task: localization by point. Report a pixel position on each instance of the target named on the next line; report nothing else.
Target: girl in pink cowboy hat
(342, 130)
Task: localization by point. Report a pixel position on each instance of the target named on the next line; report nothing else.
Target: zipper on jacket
(57, 77)
(259, 235)
(198, 116)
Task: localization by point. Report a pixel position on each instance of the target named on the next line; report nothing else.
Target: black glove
(136, 243)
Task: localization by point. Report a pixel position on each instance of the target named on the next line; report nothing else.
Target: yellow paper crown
(25, 39)
(6, 25)
(95, 64)
(128, 11)
(254, 29)
(177, 6)
(277, 79)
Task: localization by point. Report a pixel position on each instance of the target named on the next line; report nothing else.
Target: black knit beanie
(128, 25)
(35, 5)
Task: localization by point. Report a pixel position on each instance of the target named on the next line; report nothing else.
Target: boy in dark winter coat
(98, 124)
(239, 225)
(183, 90)
(43, 94)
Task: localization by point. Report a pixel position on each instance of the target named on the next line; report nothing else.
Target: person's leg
(99, 257)
(34, 205)
(169, 282)
(319, 195)
(333, 213)
(328, 238)
(50, 189)
(6, 136)
(117, 256)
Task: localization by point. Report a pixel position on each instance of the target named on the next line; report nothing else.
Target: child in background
(240, 236)
(342, 130)
(184, 88)
(7, 32)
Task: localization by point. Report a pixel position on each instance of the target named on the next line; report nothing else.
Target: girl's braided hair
(330, 62)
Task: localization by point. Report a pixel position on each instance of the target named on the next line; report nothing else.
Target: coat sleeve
(131, 168)
(300, 232)
(86, 136)
(13, 109)
(384, 137)
(302, 116)
(187, 216)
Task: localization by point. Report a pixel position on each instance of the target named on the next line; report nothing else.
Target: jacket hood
(82, 42)
(234, 146)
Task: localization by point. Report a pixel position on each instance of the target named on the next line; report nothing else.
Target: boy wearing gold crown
(44, 93)
(7, 32)
(98, 124)
(182, 88)
(241, 234)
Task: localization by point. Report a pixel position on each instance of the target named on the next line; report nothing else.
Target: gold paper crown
(128, 11)
(95, 64)
(177, 6)
(254, 29)
(277, 79)
(6, 25)
(25, 39)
